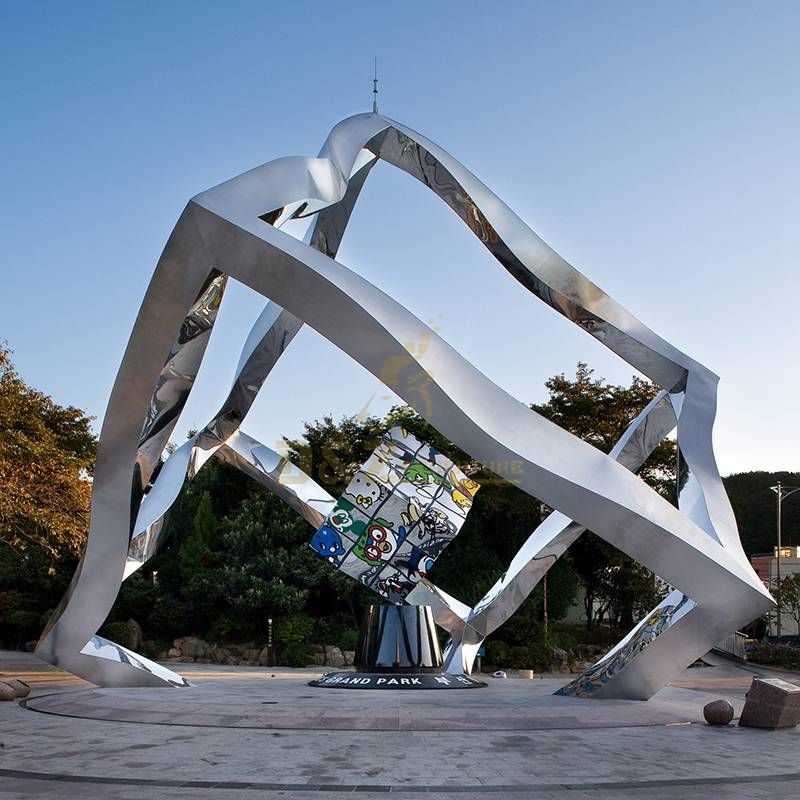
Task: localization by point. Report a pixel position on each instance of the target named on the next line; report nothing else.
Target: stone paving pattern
(625, 750)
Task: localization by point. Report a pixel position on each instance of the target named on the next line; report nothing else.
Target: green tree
(331, 452)
(754, 506)
(46, 457)
(616, 587)
(789, 595)
(195, 552)
(46, 454)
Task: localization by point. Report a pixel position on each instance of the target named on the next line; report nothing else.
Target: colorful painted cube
(400, 510)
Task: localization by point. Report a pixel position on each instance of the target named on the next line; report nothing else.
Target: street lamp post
(781, 491)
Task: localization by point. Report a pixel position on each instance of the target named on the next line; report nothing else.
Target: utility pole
(375, 88)
(546, 627)
(781, 491)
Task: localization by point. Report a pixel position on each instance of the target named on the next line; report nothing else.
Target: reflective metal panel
(398, 639)
(229, 229)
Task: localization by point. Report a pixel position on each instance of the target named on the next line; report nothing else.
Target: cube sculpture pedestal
(771, 703)
(398, 649)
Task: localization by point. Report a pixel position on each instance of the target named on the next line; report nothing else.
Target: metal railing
(733, 646)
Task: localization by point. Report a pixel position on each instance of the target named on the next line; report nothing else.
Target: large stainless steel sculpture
(233, 231)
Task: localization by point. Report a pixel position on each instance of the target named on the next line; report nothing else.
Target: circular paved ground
(259, 701)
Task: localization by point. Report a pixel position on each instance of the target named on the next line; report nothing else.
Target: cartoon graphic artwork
(434, 530)
(397, 514)
(394, 586)
(365, 490)
(379, 542)
(328, 543)
(667, 613)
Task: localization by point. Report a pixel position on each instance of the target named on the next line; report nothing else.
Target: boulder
(264, 657)
(333, 656)
(559, 655)
(718, 712)
(249, 653)
(173, 652)
(193, 647)
(135, 632)
(20, 687)
(771, 703)
(349, 657)
(7, 692)
(221, 655)
(318, 655)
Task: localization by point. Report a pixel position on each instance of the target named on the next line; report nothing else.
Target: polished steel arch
(234, 231)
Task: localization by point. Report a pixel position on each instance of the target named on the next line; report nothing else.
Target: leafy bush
(136, 598)
(169, 617)
(293, 629)
(778, 655)
(296, 654)
(565, 640)
(24, 625)
(227, 627)
(347, 639)
(119, 633)
(536, 655)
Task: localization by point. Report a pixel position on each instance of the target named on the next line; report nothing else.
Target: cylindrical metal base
(398, 639)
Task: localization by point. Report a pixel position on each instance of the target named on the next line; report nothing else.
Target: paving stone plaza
(247, 732)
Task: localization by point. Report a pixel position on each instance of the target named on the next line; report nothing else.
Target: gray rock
(771, 703)
(173, 652)
(718, 712)
(135, 630)
(264, 657)
(333, 657)
(559, 654)
(7, 692)
(20, 687)
(193, 647)
(349, 657)
(220, 655)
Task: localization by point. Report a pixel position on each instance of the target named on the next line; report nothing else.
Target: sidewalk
(240, 733)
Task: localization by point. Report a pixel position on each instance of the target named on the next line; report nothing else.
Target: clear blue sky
(654, 145)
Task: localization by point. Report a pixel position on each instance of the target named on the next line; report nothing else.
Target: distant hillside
(755, 508)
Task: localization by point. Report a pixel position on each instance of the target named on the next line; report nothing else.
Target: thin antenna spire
(375, 88)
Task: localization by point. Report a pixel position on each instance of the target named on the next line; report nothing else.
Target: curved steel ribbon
(698, 550)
